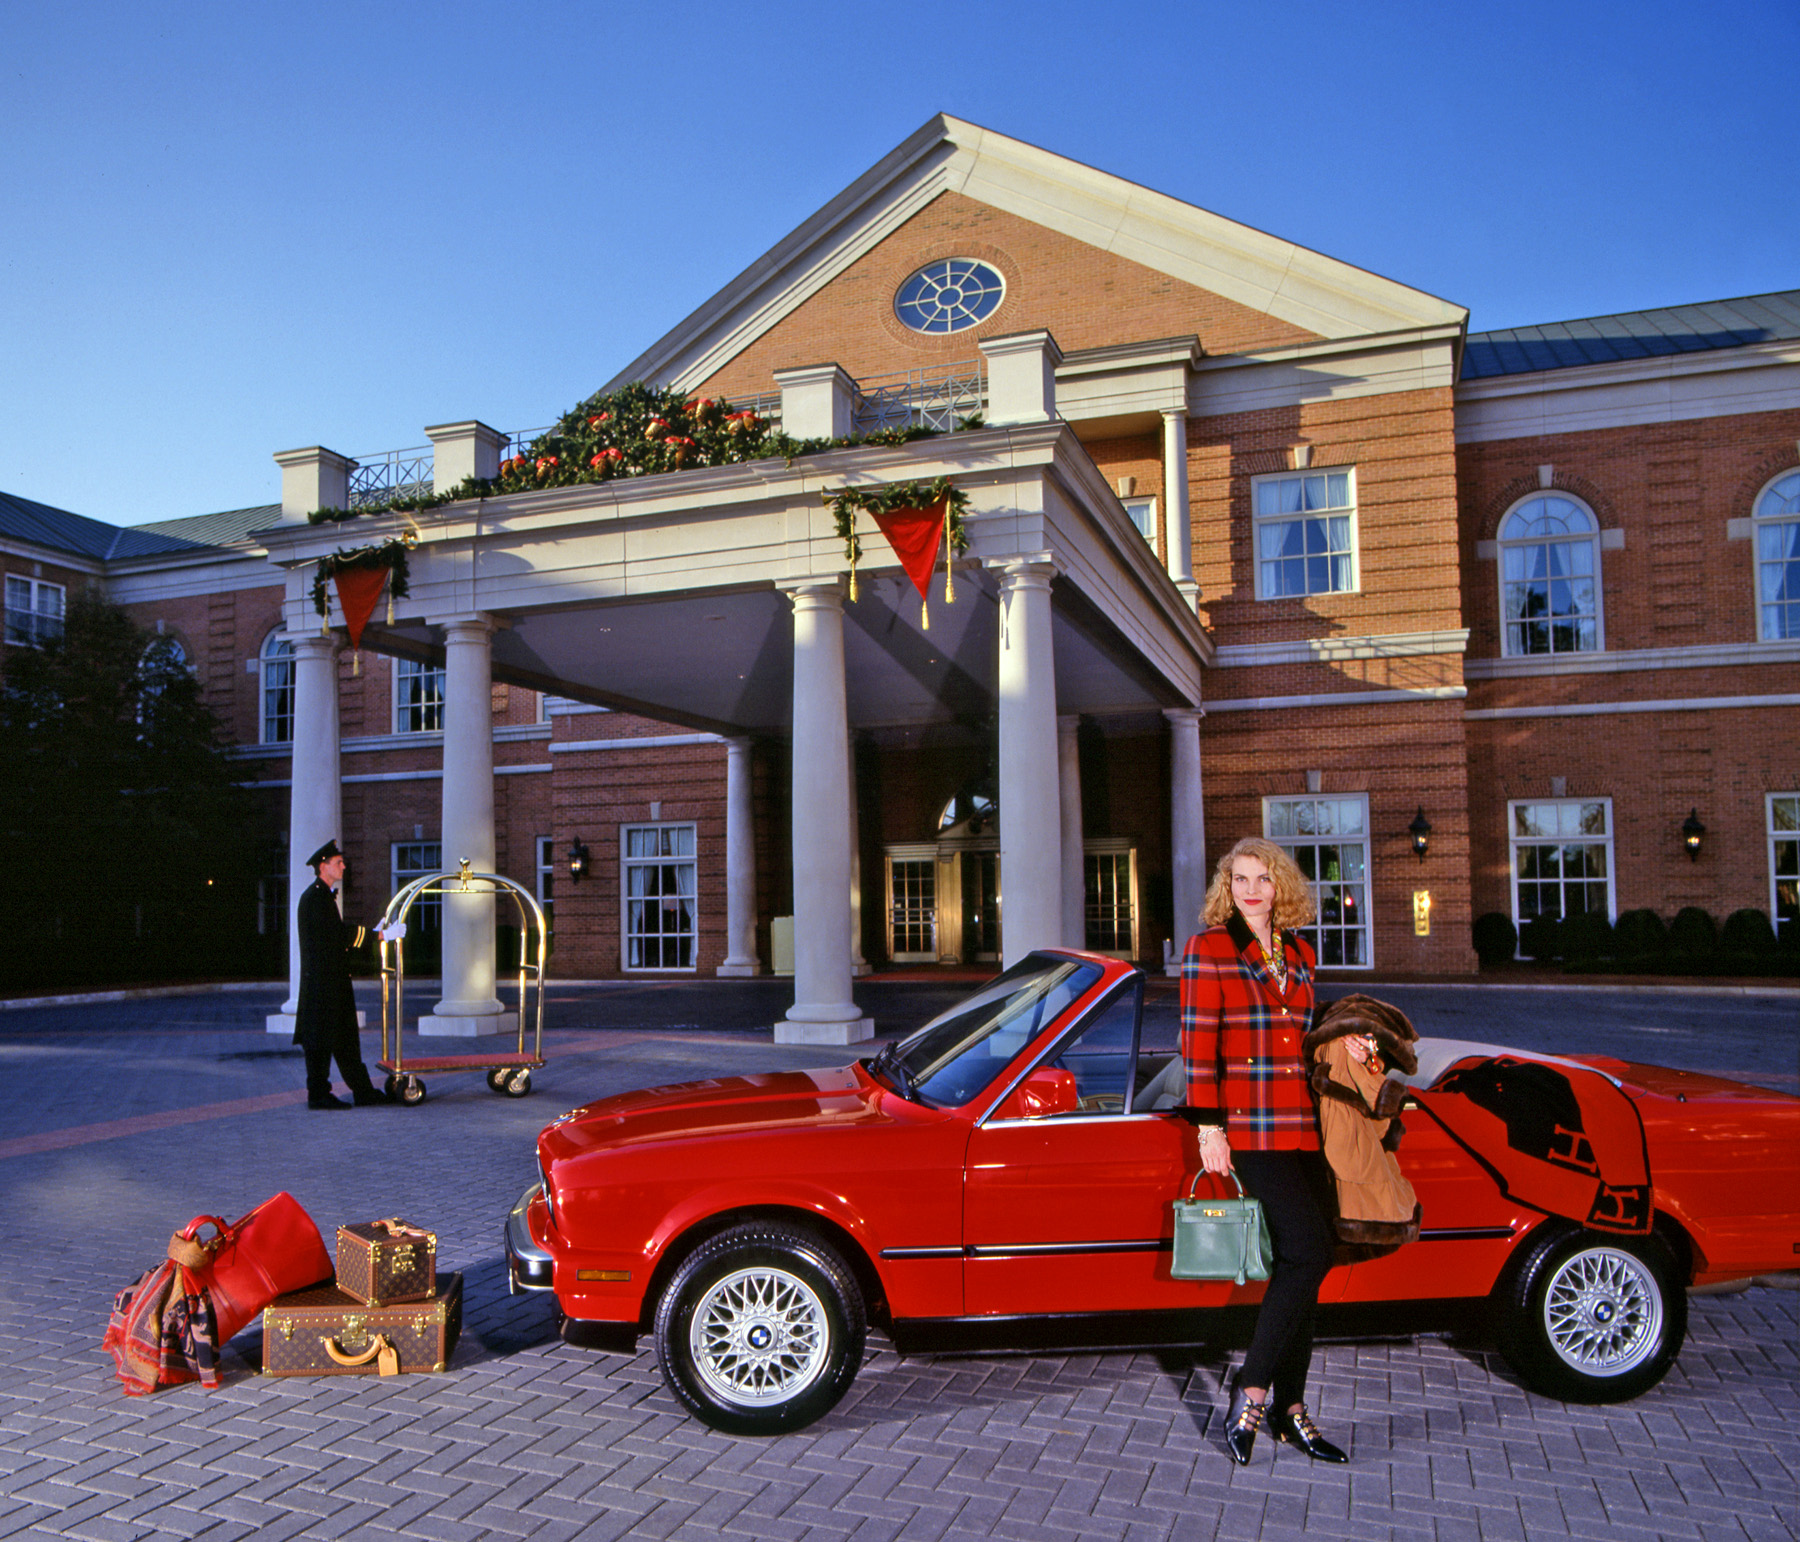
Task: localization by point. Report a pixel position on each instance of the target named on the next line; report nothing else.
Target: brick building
(1260, 542)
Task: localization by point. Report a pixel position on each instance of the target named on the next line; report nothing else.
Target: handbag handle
(1230, 1172)
(381, 1350)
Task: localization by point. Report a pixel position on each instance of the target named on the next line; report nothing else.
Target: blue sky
(231, 229)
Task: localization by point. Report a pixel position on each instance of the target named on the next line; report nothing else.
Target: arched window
(277, 690)
(1550, 577)
(1777, 515)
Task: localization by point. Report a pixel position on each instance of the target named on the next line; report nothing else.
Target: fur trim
(1391, 1140)
(1386, 1024)
(1390, 1234)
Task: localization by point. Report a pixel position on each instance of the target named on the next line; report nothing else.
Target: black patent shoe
(326, 1101)
(1295, 1426)
(1241, 1425)
(369, 1097)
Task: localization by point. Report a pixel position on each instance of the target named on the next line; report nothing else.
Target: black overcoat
(327, 1003)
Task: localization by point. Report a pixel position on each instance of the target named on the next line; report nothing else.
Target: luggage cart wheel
(391, 1087)
(496, 1080)
(517, 1084)
(412, 1091)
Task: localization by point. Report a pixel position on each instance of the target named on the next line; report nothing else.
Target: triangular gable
(1303, 288)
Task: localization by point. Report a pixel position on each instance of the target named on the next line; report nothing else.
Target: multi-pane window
(1550, 577)
(1784, 862)
(277, 690)
(418, 697)
(1561, 858)
(660, 875)
(1143, 515)
(1109, 890)
(1305, 528)
(1328, 839)
(34, 611)
(546, 873)
(414, 859)
(912, 907)
(1777, 526)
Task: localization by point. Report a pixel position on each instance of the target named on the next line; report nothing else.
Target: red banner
(915, 534)
(358, 589)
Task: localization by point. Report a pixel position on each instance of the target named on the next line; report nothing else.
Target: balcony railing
(937, 398)
(390, 474)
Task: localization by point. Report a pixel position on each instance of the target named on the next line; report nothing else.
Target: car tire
(761, 1329)
(1590, 1318)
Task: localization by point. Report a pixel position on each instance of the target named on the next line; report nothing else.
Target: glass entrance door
(981, 906)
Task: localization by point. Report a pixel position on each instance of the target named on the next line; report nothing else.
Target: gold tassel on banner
(924, 614)
(852, 575)
(356, 663)
(949, 574)
(390, 604)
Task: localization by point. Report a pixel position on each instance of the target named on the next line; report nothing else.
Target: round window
(950, 295)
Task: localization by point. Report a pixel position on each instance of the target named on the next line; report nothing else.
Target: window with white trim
(34, 611)
(162, 655)
(277, 690)
(546, 873)
(1109, 897)
(1304, 526)
(1143, 515)
(1550, 577)
(1784, 862)
(414, 859)
(1777, 526)
(660, 875)
(1328, 839)
(418, 697)
(912, 902)
(1562, 858)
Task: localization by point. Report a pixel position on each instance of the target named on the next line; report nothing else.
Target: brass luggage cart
(508, 1071)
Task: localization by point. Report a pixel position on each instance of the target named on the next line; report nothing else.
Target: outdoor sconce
(578, 861)
(1691, 831)
(1420, 831)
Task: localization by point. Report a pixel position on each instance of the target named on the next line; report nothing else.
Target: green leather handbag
(1220, 1239)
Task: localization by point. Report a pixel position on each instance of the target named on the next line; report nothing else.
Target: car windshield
(958, 1053)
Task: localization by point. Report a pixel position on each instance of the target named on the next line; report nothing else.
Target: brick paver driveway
(122, 1121)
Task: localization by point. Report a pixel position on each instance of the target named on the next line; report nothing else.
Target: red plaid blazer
(1240, 1038)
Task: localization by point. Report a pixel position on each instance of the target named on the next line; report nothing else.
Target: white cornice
(1607, 708)
(30, 552)
(1723, 382)
(1423, 694)
(1278, 278)
(1699, 656)
(1334, 650)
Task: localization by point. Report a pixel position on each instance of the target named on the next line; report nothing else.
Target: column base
(283, 1022)
(739, 969)
(466, 1025)
(853, 1028)
(858, 969)
(1190, 591)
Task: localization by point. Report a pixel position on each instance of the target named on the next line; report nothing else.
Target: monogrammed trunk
(327, 1332)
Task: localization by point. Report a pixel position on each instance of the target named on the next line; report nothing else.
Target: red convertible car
(1006, 1174)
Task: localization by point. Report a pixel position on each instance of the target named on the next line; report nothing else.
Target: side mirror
(1047, 1090)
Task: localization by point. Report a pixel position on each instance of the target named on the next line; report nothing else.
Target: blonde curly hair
(1293, 894)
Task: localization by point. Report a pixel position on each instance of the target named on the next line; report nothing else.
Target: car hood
(721, 1105)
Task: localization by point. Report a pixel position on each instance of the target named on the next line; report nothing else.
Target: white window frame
(1502, 545)
(1759, 522)
(916, 853)
(627, 864)
(1260, 521)
(546, 872)
(412, 669)
(33, 616)
(1111, 849)
(427, 913)
(1514, 841)
(1315, 932)
(1142, 514)
(275, 656)
(1777, 839)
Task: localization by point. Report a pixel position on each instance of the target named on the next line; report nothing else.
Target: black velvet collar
(1242, 936)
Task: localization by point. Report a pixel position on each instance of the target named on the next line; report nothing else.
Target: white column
(1031, 862)
(1178, 523)
(823, 1011)
(740, 864)
(1187, 825)
(1074, 863)
(315, 798)
(469, 1006)
(859, 966)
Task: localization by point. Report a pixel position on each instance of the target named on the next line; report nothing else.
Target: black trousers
(1294, 1188)
(340, 1044)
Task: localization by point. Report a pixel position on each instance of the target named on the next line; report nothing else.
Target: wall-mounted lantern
(1420, 831)
(578, 861)
(1691, 832)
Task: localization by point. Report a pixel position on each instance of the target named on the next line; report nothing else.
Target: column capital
(816, 592)
(316, 644)
(1174, 414)
(1032, 570)
(467, 625)
(1184, 714)
(1068, 722)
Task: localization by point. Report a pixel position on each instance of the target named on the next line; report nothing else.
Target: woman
(1246, 1006)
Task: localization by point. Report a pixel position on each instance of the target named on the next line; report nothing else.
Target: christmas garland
(891, 496)
(388, 554)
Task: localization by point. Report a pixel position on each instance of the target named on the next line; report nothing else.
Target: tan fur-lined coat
(1358, 1106)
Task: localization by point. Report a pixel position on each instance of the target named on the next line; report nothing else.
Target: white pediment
(1289, 282)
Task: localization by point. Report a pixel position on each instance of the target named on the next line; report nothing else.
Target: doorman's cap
(324, 854)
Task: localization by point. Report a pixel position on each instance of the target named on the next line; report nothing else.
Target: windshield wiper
(889, 1066)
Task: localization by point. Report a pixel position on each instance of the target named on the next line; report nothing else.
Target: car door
(1069, 1210)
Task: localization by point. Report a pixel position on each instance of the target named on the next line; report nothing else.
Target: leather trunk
(328, 1332)
(384, 1262)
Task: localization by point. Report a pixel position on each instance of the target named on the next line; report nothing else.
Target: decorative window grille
(660, 875)
(1305, 527)
(34, 611)
(1329, 841)
(277, 671)
(1550, 577)
(1777, 524)
(950, 295)
(1784, 862)
(418, 697)
(1562, 858)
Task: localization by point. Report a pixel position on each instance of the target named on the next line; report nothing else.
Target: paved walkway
(124, 1119)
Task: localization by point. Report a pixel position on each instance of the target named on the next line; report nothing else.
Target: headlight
(549, 1197)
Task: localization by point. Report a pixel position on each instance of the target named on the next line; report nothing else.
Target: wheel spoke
(1603, 1312)
(759, 1336)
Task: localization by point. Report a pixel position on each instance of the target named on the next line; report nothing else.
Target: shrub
(1541, 938)
(1692, 933)
(1587, 937)
(1748, 931)
(1496, 938)
(1640, 933)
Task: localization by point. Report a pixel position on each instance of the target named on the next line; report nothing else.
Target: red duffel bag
(272, 1250)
